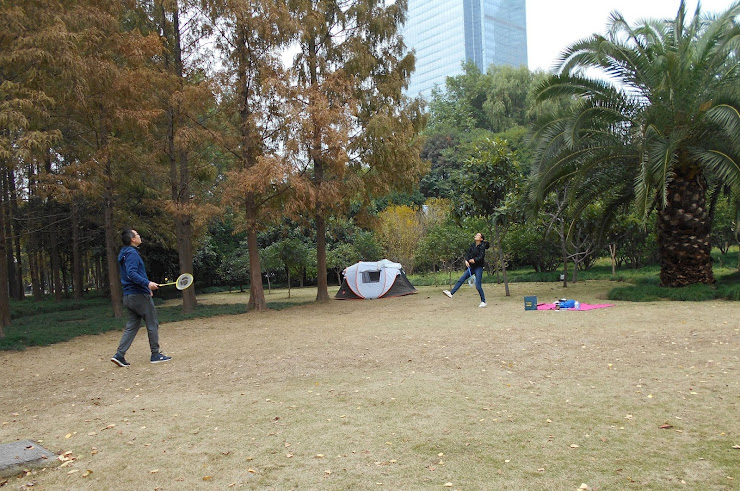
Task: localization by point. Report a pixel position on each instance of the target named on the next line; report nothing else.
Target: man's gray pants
(140, 306)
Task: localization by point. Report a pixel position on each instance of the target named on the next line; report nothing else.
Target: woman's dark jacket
(477, 252)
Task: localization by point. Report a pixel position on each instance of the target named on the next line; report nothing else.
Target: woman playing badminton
(475, 259)
(137, 298)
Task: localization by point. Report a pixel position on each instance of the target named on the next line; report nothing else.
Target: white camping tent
(374, 280)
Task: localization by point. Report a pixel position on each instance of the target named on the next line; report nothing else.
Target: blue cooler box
(530, 303)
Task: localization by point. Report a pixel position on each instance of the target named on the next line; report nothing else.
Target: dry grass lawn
(418, 392)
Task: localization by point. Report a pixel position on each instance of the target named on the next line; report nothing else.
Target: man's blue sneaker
(159, 358)
(120, 361)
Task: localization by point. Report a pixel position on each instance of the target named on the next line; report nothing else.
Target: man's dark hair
(127, 236)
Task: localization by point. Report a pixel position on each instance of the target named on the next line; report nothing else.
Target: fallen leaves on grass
(67, 458)
(665, 426)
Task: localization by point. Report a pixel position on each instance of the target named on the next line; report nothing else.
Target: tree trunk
(111, 251)
(184, 230)
(179, 173)
(250, 150)
(111, 256)
(34, 268)
(52, 237)
(77, 276)
(684, 234)
(613, 256)
(99, 284)
(16, 236)
(8, 235)
(322, 295)
(564, 251)
(55, 263)
(4, 293)
(256, 291)
(500, 250)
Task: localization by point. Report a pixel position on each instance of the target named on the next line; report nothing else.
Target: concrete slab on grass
(24, 454)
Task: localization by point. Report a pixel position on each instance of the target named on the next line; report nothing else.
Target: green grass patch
(47, 304)
(646, 288)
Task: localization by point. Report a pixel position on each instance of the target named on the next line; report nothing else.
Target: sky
(554, 24)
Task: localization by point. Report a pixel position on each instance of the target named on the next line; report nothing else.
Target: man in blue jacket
(137, 298)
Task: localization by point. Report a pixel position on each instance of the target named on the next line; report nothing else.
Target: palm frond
(727, 118)
(670, 107)
(722, 165)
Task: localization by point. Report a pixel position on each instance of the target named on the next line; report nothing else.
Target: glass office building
(444, 33)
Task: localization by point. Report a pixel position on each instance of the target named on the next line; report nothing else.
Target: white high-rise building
(445, 33)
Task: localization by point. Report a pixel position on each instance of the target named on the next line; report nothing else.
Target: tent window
(371, 276)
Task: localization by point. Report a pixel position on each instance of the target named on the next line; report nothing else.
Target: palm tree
(649, 114)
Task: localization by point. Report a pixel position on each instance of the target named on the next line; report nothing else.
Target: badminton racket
(182, 282)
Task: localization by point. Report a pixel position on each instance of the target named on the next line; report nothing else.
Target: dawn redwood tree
(30, 37)
(252, 35)
(184, 95)
(107, 114)
(666, 117)
(356, 132)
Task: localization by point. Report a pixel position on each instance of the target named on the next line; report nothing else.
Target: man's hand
(153, 286)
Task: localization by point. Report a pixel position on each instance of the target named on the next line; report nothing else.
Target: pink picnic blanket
(584, 306)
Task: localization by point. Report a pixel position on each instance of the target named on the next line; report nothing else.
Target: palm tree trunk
(684, 233)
